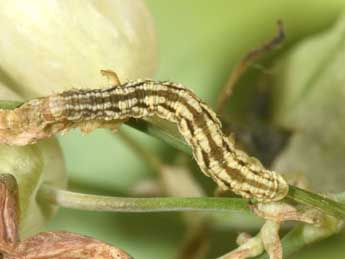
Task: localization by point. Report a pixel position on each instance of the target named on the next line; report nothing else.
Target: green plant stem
(9, 105)
(324, 204)
(68, 199)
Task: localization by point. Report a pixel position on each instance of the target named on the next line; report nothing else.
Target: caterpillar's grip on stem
(216, 155)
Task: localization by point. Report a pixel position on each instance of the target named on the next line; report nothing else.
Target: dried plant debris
(46, 245)
(65, 245)
(245, 62)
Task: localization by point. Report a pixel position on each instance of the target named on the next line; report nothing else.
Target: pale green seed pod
(50, 46)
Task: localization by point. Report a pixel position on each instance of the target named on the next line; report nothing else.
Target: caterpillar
(216, 154)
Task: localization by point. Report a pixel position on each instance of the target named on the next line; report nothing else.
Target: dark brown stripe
(206, 158)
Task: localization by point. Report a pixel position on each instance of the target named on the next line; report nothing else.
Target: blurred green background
(200, 41)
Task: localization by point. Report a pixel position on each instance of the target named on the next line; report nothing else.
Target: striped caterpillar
(216, 154)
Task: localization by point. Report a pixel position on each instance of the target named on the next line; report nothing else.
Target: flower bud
(49, 46)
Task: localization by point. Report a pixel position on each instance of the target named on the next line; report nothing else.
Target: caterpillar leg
(111, 76)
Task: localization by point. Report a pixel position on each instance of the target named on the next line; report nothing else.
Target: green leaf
(309, 99)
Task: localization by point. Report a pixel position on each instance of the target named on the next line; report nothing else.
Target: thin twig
(68, 199)
(320, 202)
(245, 62)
